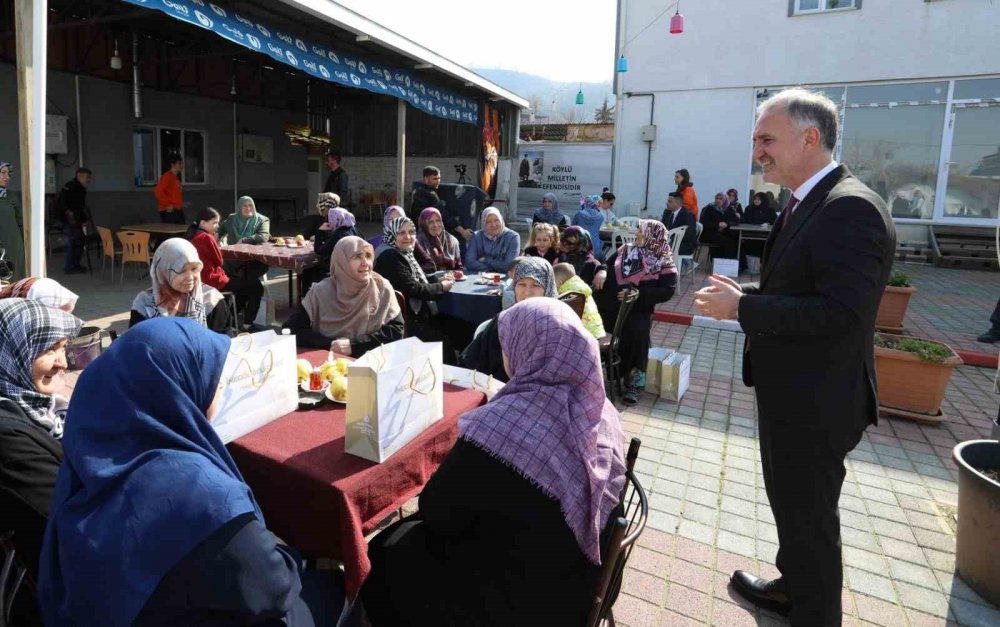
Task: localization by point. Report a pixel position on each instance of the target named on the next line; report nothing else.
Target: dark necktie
(786, 215)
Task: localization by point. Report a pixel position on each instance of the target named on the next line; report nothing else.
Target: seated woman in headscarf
(493, 247)
(576, 248)
(716, 219)
(32, 360)
(391, 213)
(648, 266)
(340, 224)
(202, 234)
(590, 219)
(760, 210)
(549, 212)
(498, 522)
(245, 226)
(151, 522)
(320, 220)
(43, 290)
(533, 277)
(399, 266)
(353, 310)
(442, 247)
(177, 290)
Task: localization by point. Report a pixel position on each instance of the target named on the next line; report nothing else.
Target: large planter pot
(977, 557)
(892, 308)
(907, 383)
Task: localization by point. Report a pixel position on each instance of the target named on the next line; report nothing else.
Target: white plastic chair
(674, 238)
(690, 259)
(631, 222)
(625, 237)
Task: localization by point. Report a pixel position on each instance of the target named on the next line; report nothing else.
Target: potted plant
(977, 556)
(892, 308)
(913, 375)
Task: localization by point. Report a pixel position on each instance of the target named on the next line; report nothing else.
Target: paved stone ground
(951, 305)
(700, 464)
(709, 514)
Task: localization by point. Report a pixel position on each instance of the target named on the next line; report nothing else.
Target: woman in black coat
(397, 264)
(717, 219)
(648, 266)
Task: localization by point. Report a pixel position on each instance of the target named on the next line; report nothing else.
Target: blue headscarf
(589, 217)
(145, 480)
(552, 216)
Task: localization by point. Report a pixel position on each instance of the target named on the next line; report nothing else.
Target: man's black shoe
(764, 593)
(993, 335)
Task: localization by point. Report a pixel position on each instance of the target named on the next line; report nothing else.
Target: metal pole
(79, 123)
(401, 149)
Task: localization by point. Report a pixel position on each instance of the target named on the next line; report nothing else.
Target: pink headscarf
(647, 262)
(552, 422)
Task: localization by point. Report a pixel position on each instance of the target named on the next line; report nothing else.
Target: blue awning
(318, 61)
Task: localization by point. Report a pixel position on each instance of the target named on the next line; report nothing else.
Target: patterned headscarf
(586, 243)
(10, 170)
(389, 233)
(44, 290)
(649, 261)
(339, 217)
(246, 227)
(538, 269)
(170, 258)
(327, 201)
(28, 329)
(552, 423)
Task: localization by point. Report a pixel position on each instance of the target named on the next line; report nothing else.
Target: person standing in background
(337, 182)
(169, 195)
(11, 226)
(686, 189)
(72, 211)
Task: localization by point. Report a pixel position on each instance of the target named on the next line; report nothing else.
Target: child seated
(544, 242)
(568, 281)
(508, 286)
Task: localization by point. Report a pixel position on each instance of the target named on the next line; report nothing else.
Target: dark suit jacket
(810, 321)
(684, 217)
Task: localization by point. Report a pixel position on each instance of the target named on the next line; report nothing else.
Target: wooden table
(295, 260)
(756, 232)
(323, 501)
(158, 228)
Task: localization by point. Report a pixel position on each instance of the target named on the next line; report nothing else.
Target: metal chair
(576, 301)
(135, 249)
(107, 250)
(12, 575)
(625, 530)
(610, 358)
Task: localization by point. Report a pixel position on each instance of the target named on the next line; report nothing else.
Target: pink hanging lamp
(677, 21)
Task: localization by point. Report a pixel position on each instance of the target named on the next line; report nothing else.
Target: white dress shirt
(803, 190)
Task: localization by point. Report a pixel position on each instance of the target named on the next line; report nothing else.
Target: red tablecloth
(323, 501)
(293, 259)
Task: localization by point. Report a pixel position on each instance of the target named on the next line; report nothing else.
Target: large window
(930, 149)
(152, 148)
(799, 7)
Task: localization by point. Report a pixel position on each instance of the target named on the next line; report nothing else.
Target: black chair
(12, 575)
(625, 530)
(576, 301)
(234, 314)
(610, 357)
(401, 300)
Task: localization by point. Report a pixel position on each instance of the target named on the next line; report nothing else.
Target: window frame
(157, 158)
(794, 10)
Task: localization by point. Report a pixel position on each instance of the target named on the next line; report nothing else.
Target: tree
(604, 115)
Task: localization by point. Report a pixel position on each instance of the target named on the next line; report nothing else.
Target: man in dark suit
(808, 350)
(337, 183)
(675, 215)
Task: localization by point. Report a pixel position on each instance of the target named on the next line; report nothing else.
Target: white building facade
(917, 81)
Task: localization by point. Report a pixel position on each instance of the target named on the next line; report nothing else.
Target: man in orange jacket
(169, 196)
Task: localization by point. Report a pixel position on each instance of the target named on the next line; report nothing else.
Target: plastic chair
(625, 530)
(135, 249)
(12, 575)
(107, 250)
(610, 358)
(631, 222)
(626, 237)
(674, 238)
(576, 301)
(692, 258)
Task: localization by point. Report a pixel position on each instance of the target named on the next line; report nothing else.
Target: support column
(401, 187)
(31, 26)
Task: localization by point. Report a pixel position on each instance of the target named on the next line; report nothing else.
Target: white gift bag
(259, 384)
(473, 380)
(726, 267)
(394, 392)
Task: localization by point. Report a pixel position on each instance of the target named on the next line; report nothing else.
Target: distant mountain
(555, 100)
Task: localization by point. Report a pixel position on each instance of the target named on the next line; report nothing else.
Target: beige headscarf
(342, 305)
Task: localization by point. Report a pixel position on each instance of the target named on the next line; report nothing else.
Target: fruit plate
(305, 386)
(329, 396)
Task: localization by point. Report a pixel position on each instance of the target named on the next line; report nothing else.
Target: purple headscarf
(339, 217)
(552, 422)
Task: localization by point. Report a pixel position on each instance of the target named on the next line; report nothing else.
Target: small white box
(726, 267)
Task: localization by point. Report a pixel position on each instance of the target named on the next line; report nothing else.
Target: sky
(562, 40)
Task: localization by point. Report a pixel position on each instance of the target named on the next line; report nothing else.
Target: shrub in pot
(977, 555)
(895, 299)
(913, 373)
